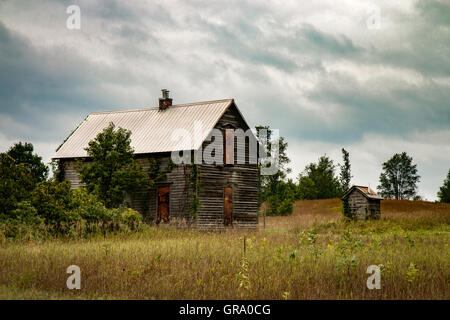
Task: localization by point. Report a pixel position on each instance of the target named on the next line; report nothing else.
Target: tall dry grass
(309, 255)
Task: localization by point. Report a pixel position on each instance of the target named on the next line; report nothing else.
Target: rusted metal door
(163, 204)
(228, 206)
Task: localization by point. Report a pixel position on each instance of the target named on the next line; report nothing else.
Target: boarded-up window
(228, 206)
(163, 204)
(228, 147)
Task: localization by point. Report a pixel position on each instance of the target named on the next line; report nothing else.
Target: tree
(399, 177)
(345, 174)
(112, 170)
(318, 180)
(23, 153)
(444, 190)
(306, 188)
(54, 202)
(16, 183)
(274, 189)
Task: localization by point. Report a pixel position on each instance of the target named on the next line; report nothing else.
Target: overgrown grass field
(311, 254)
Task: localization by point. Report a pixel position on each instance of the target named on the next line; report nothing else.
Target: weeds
(325, 259)
(244, 278)
(412, 273)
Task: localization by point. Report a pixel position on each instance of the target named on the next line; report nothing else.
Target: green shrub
(131, 218)
(55, 209)
(26, 213)
(286, 207)
(23, 222)
(89, 207)
(54, 202)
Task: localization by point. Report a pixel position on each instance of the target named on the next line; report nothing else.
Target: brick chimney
(165, 101)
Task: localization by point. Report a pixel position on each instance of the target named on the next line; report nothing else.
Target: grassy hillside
(311, 254)
(310, 212)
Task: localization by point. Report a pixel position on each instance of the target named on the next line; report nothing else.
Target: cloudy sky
(370, 76)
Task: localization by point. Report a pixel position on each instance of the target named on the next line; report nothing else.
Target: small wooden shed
(363, 203)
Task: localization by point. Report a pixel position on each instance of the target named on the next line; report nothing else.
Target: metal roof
(151, 128)
(366, 191)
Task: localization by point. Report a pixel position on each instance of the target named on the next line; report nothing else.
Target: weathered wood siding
(374, 209)
(362, 207)
(70, 172)
(146, 201)
(243, 178)
(358, 204)
(245, 198)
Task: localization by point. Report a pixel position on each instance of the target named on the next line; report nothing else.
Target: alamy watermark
(74, 280)
(374, 280)
(73, 21)
(373, 21)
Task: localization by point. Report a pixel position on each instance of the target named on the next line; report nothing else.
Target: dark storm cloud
(38, 84)
(437, 13)
(314, 71)
(394, 111)
(424, 46)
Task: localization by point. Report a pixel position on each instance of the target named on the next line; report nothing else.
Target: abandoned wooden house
(227, 192)
(363, 203)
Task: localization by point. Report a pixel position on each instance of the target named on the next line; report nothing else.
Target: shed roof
(366, 191)
(151, 128)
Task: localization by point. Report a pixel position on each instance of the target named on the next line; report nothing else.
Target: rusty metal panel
(228, 206)
(163, 204)
(151, 128)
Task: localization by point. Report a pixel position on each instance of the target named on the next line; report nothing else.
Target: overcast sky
(329, 74)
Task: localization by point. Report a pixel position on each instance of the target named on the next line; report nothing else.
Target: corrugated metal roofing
(151, 129)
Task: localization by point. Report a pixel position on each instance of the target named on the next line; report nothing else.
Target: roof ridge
(156, 108)
(368, 194)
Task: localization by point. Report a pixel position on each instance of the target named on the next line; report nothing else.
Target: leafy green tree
(273, 189)
(288, 191)
(399, 177)
(306, 188)
(281, 203)
(111, 170)
(57, 170)
(23, 153)
(345, 175)
(444, 191)
(318, 180)
(16, 183)
(292, 188)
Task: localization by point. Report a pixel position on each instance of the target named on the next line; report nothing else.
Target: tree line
(28, 195)
(324, 179)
